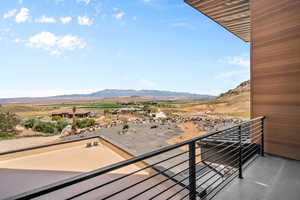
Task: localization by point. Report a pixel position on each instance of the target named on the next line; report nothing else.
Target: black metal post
(192, 170)
(262, 147)
(240, 153)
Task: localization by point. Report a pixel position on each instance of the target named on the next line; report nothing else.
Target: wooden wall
(275, 73)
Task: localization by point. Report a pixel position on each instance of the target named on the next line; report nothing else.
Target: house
(159, 114)
(129, 110)
(264, 152)
(80, 113)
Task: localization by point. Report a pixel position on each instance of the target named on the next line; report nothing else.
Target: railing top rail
(85, 176)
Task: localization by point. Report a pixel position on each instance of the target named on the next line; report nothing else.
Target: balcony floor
(267, 178)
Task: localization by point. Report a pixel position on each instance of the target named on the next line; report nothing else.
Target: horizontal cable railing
(194, 169)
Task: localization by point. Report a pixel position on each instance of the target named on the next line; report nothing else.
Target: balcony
(268, 178)
(195, 169)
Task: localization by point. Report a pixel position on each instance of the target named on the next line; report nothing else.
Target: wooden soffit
(234, 15)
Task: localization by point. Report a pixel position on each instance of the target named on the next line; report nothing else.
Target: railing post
(192, 171)
(240, 153)
(262, 148)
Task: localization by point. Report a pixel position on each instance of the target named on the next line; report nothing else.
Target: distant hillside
(244, 87)
(236, 101)
(233, 103)
(158, 94)
(110, 93)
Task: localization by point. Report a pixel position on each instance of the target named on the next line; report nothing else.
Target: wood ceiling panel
(234, 15)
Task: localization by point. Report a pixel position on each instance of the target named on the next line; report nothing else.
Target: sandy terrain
(190, 131)
(21, 143)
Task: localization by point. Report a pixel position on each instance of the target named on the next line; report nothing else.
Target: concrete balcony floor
(267, 178)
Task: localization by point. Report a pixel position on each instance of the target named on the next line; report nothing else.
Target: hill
(243, 88)
(158, 94)
(109, 93)
(234, 103)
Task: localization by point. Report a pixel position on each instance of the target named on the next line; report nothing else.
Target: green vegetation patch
(100, 105)
(4, 136)
(8, 122)
(84, 123)
(45, 127)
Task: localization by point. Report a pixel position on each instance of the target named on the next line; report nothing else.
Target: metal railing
(194, 169)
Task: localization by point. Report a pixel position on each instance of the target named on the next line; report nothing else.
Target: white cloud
(55, 44)
(84, 1)
(10, 14)
(23, 15)
(65, 20)
(238, 61)
(84, 21)
(236, 75)
(70, 42)
(45, 19)
(119, 15)
(43, 40)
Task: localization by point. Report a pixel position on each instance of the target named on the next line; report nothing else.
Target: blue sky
(52, 47)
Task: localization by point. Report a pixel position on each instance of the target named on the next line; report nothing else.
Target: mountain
(235, 102)
(158, 94)
(110, 93)
(242, 88)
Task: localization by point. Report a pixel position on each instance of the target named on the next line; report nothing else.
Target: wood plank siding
(234, 15)
(275, 73)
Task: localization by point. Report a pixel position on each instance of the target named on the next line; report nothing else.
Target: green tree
(29, 123)
(56, 118)
(8, 122)
(44, 127)
(84, 123)
(60, 125)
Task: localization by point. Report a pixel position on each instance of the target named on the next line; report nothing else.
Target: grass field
(99, 105)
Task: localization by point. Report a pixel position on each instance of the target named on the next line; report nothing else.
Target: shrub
(29, 123)
(60, 125)
(44, 127)
(56, 118)
(154, 110)
(106, 112)
(126, 126)
(8, 122)
(84, 123)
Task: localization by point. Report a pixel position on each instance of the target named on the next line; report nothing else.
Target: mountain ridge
(243, 87)
(110, 93)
